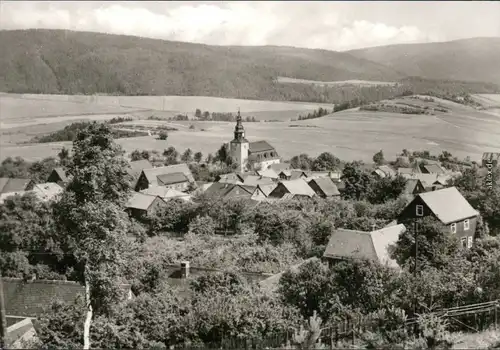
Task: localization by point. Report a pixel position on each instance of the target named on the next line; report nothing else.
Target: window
(420, 210)
(463, 241)
(469, 242)
(466, 224)
(453, 228)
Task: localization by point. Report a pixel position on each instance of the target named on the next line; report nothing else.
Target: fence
(471, 317)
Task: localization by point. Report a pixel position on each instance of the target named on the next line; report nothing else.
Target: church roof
(260, 146)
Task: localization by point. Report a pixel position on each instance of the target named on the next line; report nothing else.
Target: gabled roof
(297, 187)
(427, 179)
(491, 156)
(297, 174)
(221, 189)
(27, 299)
(277, 167)
(260, 146)
(327, 186)
(11, 184)
(47, 191)
(61, 173)
(406, 171)
(267, 189)
(165, 192)
(255, 180)
(433, 169)
(172, 178)
(230, 178)
(269, 173)
(20, 332)
(387, 170)
(352, 244)
(4, 196)
(137, 166)
(140, 201)
(410, 185)
(153, 173)
(448, 205)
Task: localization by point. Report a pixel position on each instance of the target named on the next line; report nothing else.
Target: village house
(433, 169)
(227, 190)
(250, 155)
(408, 171)
(352, 244)
(292, 189)
(166, 193)
(413, 187)
(431, 182)
(383, 171)
(268, 173)
(58, 176)
(490, 159)
(449, 207)
(141, 204)
(277, 167)
(136, 168)
(178, 177)
(47, 191)
(324, 187)
(11, 185)
(293, 174)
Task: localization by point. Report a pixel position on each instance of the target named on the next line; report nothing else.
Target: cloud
(312, 25)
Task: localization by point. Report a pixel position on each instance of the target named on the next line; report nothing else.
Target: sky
(336, 26)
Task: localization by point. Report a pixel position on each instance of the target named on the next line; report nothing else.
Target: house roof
(352, 244)
(11, 184)
(61, 173)
(140, 201)
(221, 189)
(164, 192)
(271, 283)
(386, 170)
(327, 186)
(491, 156)
(406, 171)
(172, 178)
(427, 179)
(434, 169)
(16, 333)
(47, 191)
(269, 173)
(4, 196)
(277, 167)
(28, 298)
(298, 187)
(297, 174)
(255, 180)
(448, 205)
(267, 189)
(137, 166)
(153, 173)
(410, 185)
(260, 146)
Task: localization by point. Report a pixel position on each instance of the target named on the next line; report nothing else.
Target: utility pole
(3, 321)
(415, 275)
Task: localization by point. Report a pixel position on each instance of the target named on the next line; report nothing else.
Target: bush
(202, 225)
(163, 135)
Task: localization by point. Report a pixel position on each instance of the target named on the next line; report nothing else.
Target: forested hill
(467, 59)
(67, 62)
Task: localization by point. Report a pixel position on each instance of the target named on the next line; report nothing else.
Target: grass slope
(350, 134)
(468, 59)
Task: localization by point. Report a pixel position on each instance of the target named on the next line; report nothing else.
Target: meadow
(363, 83)
(350, 134)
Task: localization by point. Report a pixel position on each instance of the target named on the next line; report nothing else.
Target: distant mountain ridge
(69, 62)
(475, 59)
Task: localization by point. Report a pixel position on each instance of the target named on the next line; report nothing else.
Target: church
(257, 155)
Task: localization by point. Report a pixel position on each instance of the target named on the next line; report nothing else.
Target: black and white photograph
(287, 175)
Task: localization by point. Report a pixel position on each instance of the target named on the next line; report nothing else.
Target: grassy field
(350, 134)
(334, 83)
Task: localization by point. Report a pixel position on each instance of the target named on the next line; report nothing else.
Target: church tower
(239, 146)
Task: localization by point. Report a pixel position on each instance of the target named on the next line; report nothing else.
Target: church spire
(239, 131)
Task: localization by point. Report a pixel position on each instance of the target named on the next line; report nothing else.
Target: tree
(378, 158)
(39, 171)
(171, 155)
(206, 115)
(64, 156)
(357, 182)
(187, 156)
(222, 155)
(326, 162)
(91, 220)
(210, 158)
(385, 189)
(401, 163)
(135, 155)
(163, 135)
(197, 113)
(198, 156)
(302, 161)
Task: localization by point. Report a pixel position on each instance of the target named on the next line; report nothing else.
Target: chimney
(184, 269)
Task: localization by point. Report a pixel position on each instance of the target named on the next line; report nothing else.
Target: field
(490, 102)
(361, 83)
(350, 134)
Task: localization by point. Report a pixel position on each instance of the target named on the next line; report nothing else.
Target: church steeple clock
(239, 146)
